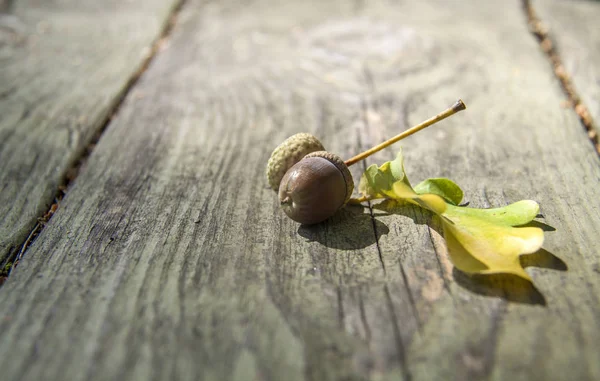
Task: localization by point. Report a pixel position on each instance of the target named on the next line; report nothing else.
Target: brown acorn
(315, 188)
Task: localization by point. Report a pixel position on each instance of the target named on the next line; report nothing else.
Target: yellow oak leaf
(483, 241)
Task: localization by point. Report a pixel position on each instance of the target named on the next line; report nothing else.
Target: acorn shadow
(351, 228)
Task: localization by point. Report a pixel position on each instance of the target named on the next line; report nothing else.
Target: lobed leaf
(481, 241)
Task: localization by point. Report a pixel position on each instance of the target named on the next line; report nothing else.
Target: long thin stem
(456, 107)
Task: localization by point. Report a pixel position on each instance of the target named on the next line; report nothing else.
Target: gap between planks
(541, 32)
(72, 172)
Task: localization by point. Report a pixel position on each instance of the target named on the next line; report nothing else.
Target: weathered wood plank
(64, 65)
(170, 260)
(573, 25)
(514, 142)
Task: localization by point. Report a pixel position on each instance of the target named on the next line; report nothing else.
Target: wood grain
(64, 66)
(573, 27)
(169, 258)
(510, 144)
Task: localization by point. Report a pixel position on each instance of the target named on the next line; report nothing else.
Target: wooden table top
(134, 137)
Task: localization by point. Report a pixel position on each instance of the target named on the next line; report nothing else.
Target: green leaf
(445, 188)
(397, 169)
(373, 183)
(377, 182)
(518, 213)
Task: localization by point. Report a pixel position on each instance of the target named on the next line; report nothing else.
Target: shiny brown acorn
(314, 189)
(313, 184)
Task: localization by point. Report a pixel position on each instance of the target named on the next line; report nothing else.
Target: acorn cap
(339, 163)
(288, 153)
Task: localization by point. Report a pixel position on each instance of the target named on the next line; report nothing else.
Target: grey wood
(573, 26)
(64, 65)
(169, 258)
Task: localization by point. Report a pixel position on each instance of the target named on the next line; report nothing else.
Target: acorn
(288, 153)
(313, 184)
(315, 188)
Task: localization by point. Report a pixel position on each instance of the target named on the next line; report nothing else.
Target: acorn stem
(456, 107)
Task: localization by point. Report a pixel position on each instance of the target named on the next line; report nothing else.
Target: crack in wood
(491, 346)
(340, 301)
(363, 319)
(370, 83)
(364, 167)
(438, 254)
(397, 336)
(411, 298)
(542, 35)
(379, 252)
(72, 172)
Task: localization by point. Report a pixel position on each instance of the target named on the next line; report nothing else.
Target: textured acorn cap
(288, 153)
(339, 163)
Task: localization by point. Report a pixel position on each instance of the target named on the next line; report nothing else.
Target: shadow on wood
(543, 258)
(350, 229)
(507, 286)
(419, 215)
(541, 225)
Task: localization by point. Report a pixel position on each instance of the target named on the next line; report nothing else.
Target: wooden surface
(169, 258)
(572, 24)
(63, 67)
